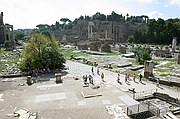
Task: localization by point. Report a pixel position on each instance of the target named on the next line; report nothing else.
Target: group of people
(92, 70)
(85, 79)
(90, 77)
(127, 78)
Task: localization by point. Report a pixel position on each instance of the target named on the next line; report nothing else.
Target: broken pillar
(174, 42)
(29, 80)
(178, 61)
(122, 49)
(58, 78)
(148, 69)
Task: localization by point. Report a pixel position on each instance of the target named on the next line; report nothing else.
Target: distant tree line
(157, 32)
(65, 23)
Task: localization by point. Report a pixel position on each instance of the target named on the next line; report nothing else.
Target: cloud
(175, 2)
(146, 1)
(155, 15)
(29, 13)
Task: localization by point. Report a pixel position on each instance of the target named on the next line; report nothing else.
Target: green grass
(70, 51)
(112, 53)
(163, 59)
(164, 75)
(77, 53)
(167, 75)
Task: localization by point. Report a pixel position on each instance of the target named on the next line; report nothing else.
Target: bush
(42, 52)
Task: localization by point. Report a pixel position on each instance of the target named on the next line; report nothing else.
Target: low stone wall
(166, 98)
(11, 75)
(164, 82)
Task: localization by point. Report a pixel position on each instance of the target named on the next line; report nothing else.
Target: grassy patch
(70, 51)
(112, 53)
(167, 75)
(164, 75)
(163, 59)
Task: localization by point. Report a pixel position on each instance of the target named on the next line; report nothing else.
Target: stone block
(29, 80)
(58, 78)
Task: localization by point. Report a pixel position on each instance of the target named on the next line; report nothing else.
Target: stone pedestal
(29, 80)
(148, 69)
(122, 49)
(58, 78)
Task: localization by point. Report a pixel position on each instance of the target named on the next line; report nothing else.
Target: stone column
(148, 69)
(90, 32)
(174, 42)
(178, 61)
(106, 35)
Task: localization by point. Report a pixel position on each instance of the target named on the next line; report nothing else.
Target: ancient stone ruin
(148, 69)
(178, 61)
(6, 34)
(174, 42)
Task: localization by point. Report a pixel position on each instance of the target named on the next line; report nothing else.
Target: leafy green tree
(43, 27)
(131, 39)
(42, 52)
(142, 54)
(99, 16)
(19, 35)
(158, 32)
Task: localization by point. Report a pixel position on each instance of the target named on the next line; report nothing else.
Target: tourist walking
(91, 80)
(92, 70)
(118, 79)
(98, 70)
(157, 82)
(126, 77)
(134, 77)
(102, 77)
(140, 78)
(85, 79)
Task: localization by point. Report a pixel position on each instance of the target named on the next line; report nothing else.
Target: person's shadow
(142, 83)
(160, 87)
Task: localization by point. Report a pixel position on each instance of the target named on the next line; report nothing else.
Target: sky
(29, 13)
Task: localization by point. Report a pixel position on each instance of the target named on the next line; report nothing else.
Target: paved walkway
(77, 70)
(51, 100)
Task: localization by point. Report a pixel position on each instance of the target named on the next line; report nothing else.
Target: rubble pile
(23, 114)
(11, 70)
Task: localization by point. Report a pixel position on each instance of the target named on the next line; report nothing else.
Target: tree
(64, 20)
(142, 54)
(43, 27)
(158, 32)
(42, 52)
(99, 16)
(131, 39)
(19, 35)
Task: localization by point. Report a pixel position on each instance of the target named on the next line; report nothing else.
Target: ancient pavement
(56, 101)
(77, 69)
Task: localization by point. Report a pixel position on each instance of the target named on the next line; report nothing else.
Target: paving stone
(106, 102)
(50, 97)
(81, 103)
